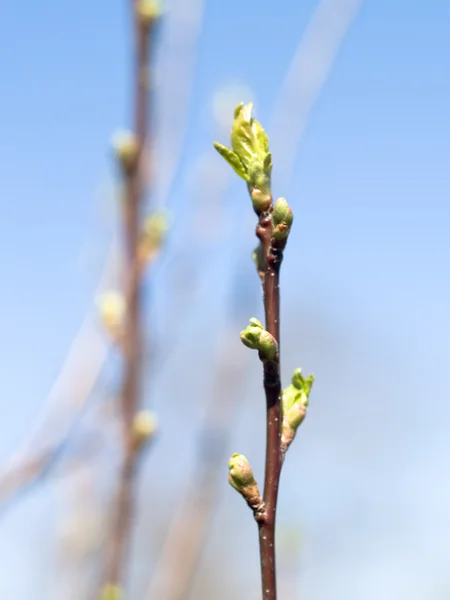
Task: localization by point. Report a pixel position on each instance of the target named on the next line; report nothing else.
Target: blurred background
(355, 96)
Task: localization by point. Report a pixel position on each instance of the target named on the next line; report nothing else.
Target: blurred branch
(130, 152)
(89, 349)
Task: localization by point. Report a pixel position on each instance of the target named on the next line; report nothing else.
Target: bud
(148, 11)
(111, 592)
(126, 148)
(259, 260)
(254, 336)
(145, 425)
(296, 415)
(112, 309)
(282, 219)
(295, 400)
(153, 235)
(261, 200)
(242, 479)
(241, 474)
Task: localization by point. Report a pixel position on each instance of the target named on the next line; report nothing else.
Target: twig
(285, 409)
(272, 387)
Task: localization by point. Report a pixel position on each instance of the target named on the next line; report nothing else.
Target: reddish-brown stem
(272, 387)
(132, 341)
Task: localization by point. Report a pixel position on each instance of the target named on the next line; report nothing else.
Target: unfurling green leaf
(249, 156)
(232, 159)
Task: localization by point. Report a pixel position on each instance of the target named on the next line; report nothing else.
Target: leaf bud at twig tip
(145, 425)
(111, 591)
(148, 11)
(262, 200)
(126, 148)
(112, 309)
(249, 154)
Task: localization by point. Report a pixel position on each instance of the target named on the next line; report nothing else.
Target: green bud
(302, 383)
(261, 200)
(254, 336)
(295, 415)
(242, 479)
(295, 400)
(282, 218)
(259, 259)
(241, 474)
(282, 212)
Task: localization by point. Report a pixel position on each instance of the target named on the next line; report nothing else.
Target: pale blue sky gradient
(365, 280)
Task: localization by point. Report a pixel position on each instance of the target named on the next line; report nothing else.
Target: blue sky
(365, 278)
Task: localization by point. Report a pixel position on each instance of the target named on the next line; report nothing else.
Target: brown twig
(272, 251)
(132, 335)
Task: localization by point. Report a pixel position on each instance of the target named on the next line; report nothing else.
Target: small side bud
(152, 236)
(148, 11)
(145, 425)
(261, 200)
(295, 401)
(254, 336)
(111, 592)
(242, 479)
(282, 219)
(259, 260)
(126, 148)
(112, 309)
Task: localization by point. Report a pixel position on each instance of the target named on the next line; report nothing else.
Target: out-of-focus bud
(112, 309)
(145, 425)
(152, 236)
(254, 336)
(111, 592)
(126, 148)
(148, 11)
